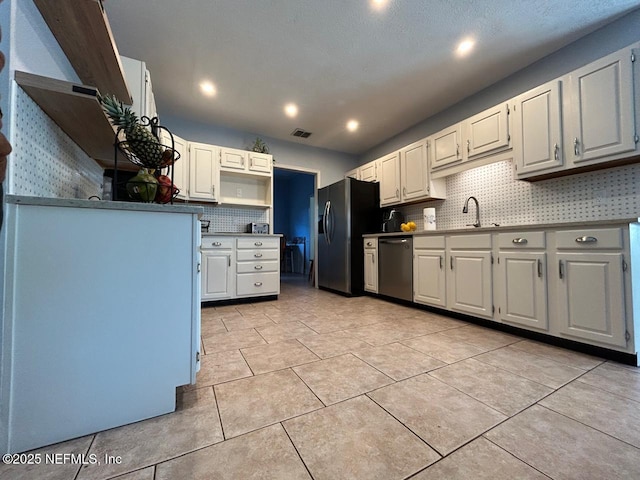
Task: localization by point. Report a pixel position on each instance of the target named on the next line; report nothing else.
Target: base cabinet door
(217, 275)
(371, 265)
(523, 295)
(429, 277)
(591, 297)
(469, 288)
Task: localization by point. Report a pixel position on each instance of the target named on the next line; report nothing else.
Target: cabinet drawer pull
(369, 244)
(560, 269)
(257, 255)
(258, 244)
(258, 284)
(586, 239)
(216, 244)
(258, 267)
(519, 241)
(539, 268)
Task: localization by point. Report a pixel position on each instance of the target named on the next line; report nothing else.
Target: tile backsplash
(45, 162)
(605, 194)
(233, 219)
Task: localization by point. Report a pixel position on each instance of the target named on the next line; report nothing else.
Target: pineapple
(142, 143)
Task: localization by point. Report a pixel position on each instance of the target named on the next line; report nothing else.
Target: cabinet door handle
(258, 284)
(404, 191)
(397, 193)
(468, 146)
(228, 260)
(457, 150)
(556, 152)
(257, 255)
(258, 267)
(373, 259)
(440, 262)
(586, 240)
(560, 269)
(520, 241)
(369, 244)
(451, 262)
(539, 268)
(258, 244)
(216, 244)
(576, 149)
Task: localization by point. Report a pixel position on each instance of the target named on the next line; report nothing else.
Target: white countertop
(104, 204)
(501, 228)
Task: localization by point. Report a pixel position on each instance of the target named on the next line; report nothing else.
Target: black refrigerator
(347, 210)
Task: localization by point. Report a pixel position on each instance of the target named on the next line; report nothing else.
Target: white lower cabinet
(218, 273)
(591, 285)
(429, 274)
(469, 280)
(522, 279)
(240, 266)
(371, 265)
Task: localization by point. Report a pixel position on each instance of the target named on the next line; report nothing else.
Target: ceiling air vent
(298, 132)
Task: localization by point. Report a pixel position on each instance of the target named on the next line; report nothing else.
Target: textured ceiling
(339, 59)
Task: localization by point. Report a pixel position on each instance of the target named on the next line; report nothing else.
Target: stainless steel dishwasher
(395, 267)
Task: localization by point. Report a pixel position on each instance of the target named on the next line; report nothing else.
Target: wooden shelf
(83, 32)
(76, 110)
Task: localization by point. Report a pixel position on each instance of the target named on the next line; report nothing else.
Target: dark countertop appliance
(391, 221)
(348, 209)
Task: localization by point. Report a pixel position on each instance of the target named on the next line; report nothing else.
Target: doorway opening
(294, 217)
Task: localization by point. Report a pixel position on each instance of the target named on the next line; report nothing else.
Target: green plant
(259, 146)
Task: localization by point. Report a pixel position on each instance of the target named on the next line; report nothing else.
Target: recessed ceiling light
(352, 125)
(465, 47)
(291, 110)
(378, 4)
(208, 88)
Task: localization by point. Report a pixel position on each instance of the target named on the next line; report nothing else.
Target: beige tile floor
(318, 386)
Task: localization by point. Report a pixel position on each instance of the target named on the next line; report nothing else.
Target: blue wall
(291, 207)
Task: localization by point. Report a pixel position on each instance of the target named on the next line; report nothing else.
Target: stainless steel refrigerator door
(324, 261)
(339, 237)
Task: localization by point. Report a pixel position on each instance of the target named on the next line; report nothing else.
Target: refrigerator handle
(329, 229)
(325, 224)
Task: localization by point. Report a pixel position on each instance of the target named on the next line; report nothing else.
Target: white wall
(331, 164)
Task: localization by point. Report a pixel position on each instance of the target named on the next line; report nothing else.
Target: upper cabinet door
(487, 131)
(390, 179)
(181, 166)
(537, 129)
(369, 172)
(445, 147)
(414, 171)
(602, 122)
(203, 173)
(260, 162)
(233, 159)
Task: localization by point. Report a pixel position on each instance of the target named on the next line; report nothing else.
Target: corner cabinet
(371, 265)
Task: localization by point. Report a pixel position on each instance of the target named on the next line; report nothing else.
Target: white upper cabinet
(203, 172)
(233, 159)
(601, 122)
(260, 162)
(537, 130)
(368, 172)
(390, 179)
(181, 166)
(139, 83)
(487, 132)
(445, 147)
(353, 174)
(414, 171)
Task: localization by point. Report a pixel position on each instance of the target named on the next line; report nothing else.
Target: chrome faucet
(465, 209)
